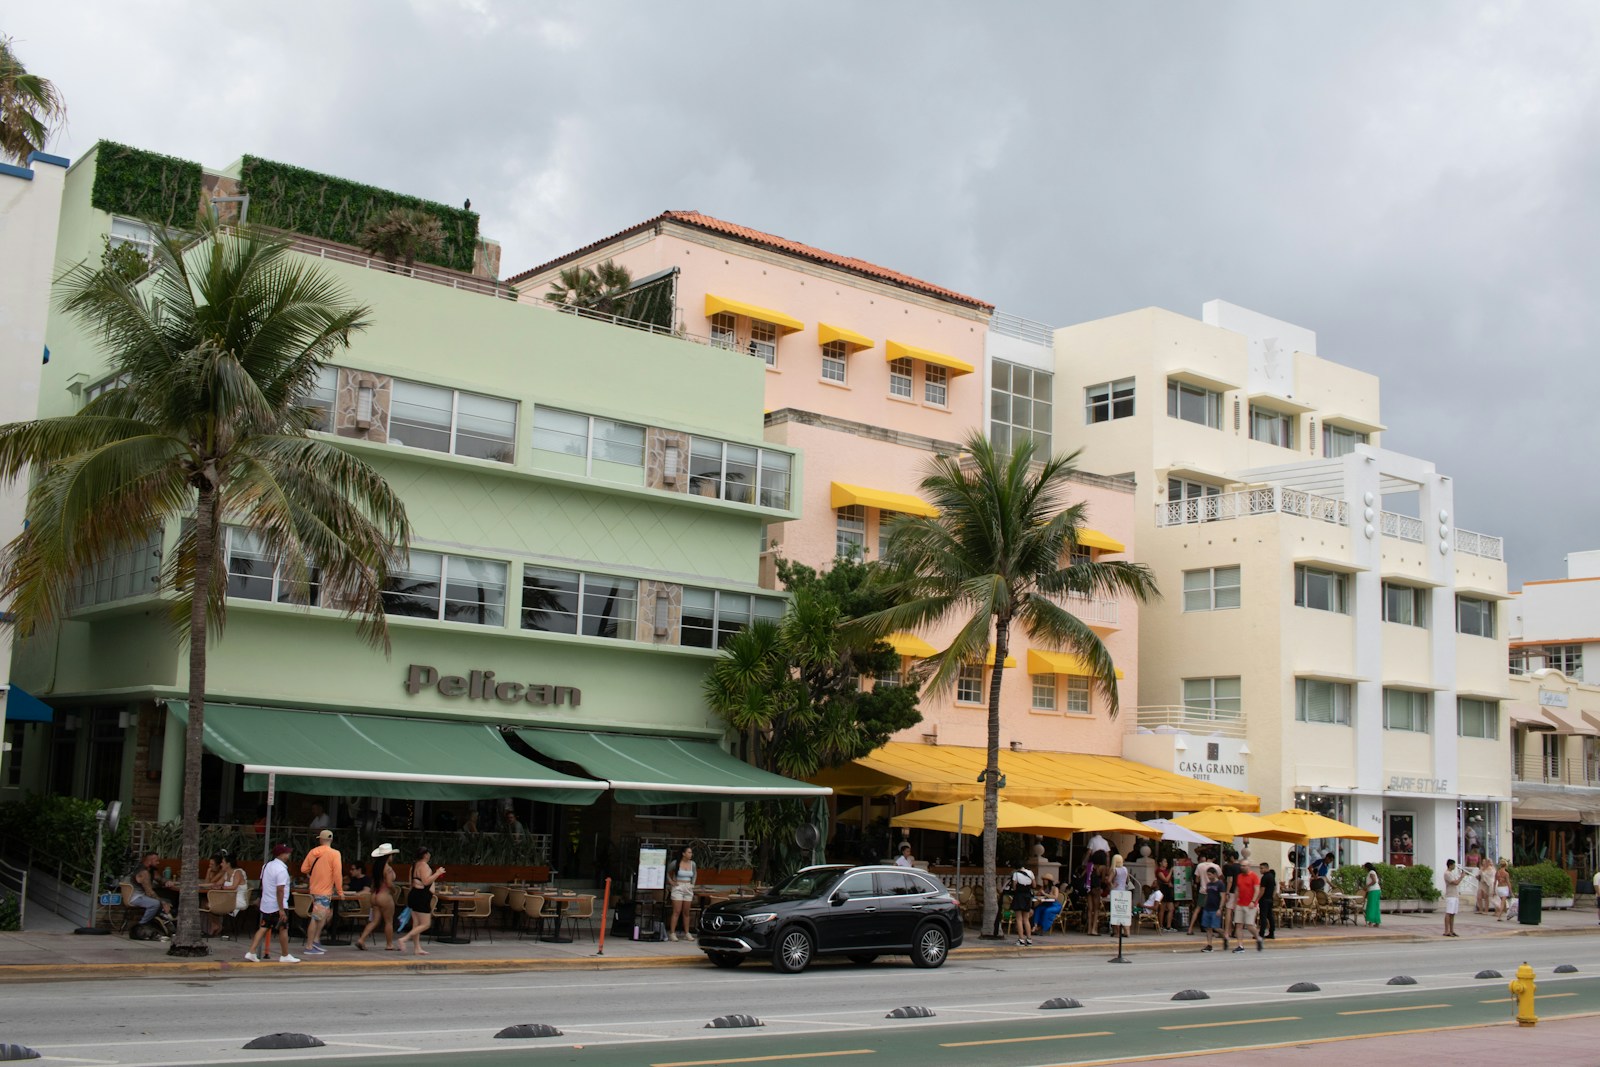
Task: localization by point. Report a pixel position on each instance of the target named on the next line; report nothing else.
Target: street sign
(272, 788)
(1121, 907)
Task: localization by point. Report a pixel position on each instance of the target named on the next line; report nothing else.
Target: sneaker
(1259, 945)
(288, 959)
(316, 950)
(251, 957)
(1020, 942)
(1238, 948)
(1208, 948)
(318, 946)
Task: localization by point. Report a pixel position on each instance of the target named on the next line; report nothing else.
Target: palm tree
(602, 288)
(998, 553)
(403, 233)
(30, 107)
(218, 351)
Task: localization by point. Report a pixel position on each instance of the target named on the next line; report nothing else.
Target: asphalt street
(987, 1010)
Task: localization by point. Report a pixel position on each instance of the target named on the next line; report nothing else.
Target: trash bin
(1530, 904)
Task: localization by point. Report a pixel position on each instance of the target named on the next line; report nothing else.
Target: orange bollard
(605, 912)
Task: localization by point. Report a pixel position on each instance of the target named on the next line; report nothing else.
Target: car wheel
(725, 960)
(931, 945)
(792, 954)
(861, 959)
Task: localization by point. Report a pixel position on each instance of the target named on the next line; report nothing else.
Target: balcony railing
(1023, 329)
(1093, 610)
(1247, 502)
(1477, 544)
(1194, 720)
(1404, 527)
(340, 253)
(1554, 770)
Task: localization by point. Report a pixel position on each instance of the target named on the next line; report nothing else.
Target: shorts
(1452, 905)
(322, 904)
(1210, 920)
(1502, 891)
(683, 893)
(1245, 914)
(271, 920)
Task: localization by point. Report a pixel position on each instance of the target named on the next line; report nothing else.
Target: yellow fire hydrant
(1522, 987)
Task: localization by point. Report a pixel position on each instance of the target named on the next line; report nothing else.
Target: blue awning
(23, 706)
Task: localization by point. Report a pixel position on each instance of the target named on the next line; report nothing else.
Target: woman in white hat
(382, 898)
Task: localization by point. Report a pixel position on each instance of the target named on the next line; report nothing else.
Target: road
(987, 1011)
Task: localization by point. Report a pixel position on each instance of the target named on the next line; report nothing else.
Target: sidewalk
(51, 952)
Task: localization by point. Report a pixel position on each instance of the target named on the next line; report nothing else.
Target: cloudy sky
(1415, 181)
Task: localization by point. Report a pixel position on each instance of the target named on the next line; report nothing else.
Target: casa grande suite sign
(483, 685)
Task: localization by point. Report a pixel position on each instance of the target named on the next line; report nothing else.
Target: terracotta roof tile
(780, 244)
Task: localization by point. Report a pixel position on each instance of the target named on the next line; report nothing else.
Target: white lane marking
(368, 1044)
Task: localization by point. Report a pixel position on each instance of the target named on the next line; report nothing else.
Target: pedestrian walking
(274, 908)
(1210, 910)
(382, 913)
(1269, 902)
(1246, 891)
(1166, 909)
(1374, 896)
(1452, 897)
(1204, 871)
(1502, 889)
(1230, 891)
(1485, 902)
(420, 899)
(324, 871)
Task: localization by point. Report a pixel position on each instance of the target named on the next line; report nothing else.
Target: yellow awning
(827, 334)
(942, 774)
(1095, 539)
(718, 304)
(895, 350)
(1040, 662)
(910, 645)
(843, 495)
(988, 661)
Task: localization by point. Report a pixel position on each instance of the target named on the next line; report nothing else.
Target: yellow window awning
(1095, 539)
(1041, 662)
(910, 645)
(988, 661)
(895, 350)
(942, 774)
(828, 333)
(716, 305)
(844, 495)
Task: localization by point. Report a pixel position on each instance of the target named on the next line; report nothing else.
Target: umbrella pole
(961, 813)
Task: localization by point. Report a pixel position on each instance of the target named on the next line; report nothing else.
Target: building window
(1404, 709)
(431, 585)
(1107, 401)
(850, 532)
(1077, 694)
(128, 572)
(1211, 589)
(834, 361)
(140, 235)
(886, 520)
(1478, 718)
(1079, 555)
(1193, 404)
(1318, 701)
(1189, 502)
(1474, 617)
(1020, 407)
(1568, 659)
(105, 385)
(888, 677)
(571, 602)
(1214, 698)
(1321, 590)
(15, 732)
(253, 575)
(1044, 692)
(1405, 604)
(969, 684)
(448, 420)
(594, 441)
(900, 377)
(724, 331)
(741, 473)
(1338, 441)
(764, 342)
(711, 616)
(320, 398)
(935, 385)
(1272, 427)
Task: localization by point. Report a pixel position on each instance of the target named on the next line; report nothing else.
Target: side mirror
(839, 897)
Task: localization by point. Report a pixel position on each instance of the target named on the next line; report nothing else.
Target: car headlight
(761, 919)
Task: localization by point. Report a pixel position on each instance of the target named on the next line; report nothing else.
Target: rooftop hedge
(145, 185)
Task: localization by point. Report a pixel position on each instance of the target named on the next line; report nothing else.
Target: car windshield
(803, 885)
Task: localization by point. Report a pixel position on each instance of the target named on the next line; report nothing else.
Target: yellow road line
(1020, 1040)
(1539, 997)
(1236, 1022)
(769, 1059)
(1385, 1011)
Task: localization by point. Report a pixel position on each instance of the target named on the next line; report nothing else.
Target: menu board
(1121, 907)
(652, 868)
(1182, 881)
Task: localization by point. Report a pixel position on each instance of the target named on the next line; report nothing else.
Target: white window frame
(762, 493)
(1006, 432)
(835, 362)
(443, 598)
(280, 589)
(885, 522)
(454, 433)
(586, 442)
(1408, 711)
(850, 531)
(581, 616)
(760, 607)
(725, 331)
(1489, 722)
(901, 379)
(1044, 692)
(1273, 427)
(141, 235)
(1339, 590)
(764, 341)
(969, 684)
(1340, 440)
(1076, 698)
(105, 385)
(935, 385)
(1219, 699)
(1182, 396)
(1108, 400)
(1409, 606)
(1341, 697)
(1483, 608)
(1220, 585)
(324, 396)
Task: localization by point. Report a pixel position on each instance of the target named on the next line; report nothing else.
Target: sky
(1416, 182)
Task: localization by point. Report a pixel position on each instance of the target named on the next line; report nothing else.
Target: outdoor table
(1345, 913)
(560, 900)
(1291, 905)
(455, 900)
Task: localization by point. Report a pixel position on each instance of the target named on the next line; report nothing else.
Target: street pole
(94, 886)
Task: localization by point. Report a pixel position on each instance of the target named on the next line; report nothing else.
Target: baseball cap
(280, 849)
(326, 835)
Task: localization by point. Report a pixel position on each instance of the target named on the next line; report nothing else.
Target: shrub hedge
(1555, 882)
(1394, 883)
(145, 185)
(321, 205)
(63, 828)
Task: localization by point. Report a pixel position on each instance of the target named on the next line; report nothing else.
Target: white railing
(1405, 527)
(1023, 329)
(1093, 610)
(339, 253)
(1224, 506)
(1205, 721)
(1477, 544)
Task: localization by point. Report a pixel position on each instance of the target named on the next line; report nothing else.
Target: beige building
(1329, 638)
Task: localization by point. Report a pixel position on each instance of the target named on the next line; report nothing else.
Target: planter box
(1558, 904)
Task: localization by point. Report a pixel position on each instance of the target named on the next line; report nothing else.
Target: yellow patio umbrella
(1091, 819)
(1225, 824)
(967, 817)
(1307, 826)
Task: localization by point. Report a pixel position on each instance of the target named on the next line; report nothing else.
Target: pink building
(870, 373)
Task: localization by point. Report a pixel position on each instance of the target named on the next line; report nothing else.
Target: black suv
(859, 912)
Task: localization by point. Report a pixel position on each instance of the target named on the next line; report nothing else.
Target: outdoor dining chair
(480, 913)
(533, 911)
(582, 909)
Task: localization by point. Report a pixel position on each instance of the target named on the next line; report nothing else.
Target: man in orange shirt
(324, 871)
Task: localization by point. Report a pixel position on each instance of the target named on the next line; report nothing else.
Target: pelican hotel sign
(484, 686)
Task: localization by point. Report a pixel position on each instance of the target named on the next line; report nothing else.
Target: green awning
(379, 756)
(663, 770)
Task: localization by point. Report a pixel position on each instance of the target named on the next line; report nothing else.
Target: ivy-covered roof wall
(321, 205)
(145, 185)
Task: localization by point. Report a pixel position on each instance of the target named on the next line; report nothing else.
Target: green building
(568, 577)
